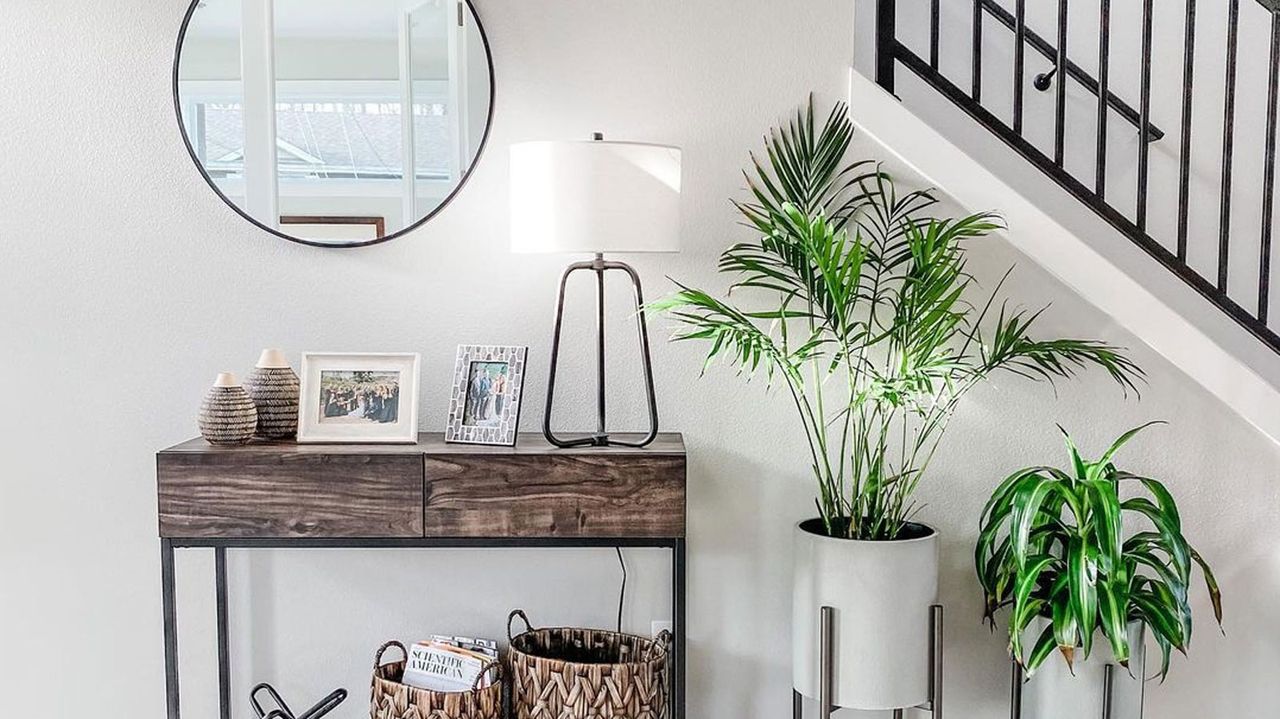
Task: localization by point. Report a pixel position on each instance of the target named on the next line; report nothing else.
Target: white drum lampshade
(597, 197)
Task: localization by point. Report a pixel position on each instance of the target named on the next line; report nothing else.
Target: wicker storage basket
(564, 673)
(389, 699)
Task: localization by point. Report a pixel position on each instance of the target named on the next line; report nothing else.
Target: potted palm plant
(1059, 550)
(864, 316)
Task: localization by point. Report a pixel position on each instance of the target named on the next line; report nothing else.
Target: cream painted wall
(126, 285)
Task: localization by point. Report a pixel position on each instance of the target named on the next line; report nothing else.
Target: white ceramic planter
(881, 592)
(1053, 693)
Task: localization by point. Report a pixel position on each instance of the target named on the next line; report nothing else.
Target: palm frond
(850, 290)
(1012, 348)
(732, 333)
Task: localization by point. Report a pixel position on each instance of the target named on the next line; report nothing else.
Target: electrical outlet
(659, 627)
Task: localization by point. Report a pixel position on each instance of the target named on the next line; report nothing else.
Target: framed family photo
(358, 398)
(485, 405)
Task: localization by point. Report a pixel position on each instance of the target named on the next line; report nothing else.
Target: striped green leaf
(1113, 601)
(1051, 546)
(1026, 506)
(1040, 651)
(1082, 591)
(1215, 594)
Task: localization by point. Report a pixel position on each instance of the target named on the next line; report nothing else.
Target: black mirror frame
(462, 181)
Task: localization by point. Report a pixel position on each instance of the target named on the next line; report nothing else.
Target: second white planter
(882, 592)
(1054, 692)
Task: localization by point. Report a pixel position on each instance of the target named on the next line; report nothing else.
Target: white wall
(126, 285)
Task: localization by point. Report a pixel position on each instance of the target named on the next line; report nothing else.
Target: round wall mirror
(336, 123)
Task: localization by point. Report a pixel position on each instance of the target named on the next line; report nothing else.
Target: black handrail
(1213, 285)
(1049, 52)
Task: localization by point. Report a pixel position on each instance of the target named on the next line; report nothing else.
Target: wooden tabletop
(426, 489)
(669, 443)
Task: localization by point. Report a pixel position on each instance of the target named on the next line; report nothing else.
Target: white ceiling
(362, 19)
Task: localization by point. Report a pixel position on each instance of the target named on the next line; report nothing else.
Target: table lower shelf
(221, 545)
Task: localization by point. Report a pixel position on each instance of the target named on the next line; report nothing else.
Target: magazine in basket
(450, 664)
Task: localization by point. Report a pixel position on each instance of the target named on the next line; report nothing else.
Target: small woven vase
(227, 414)
(274, 388)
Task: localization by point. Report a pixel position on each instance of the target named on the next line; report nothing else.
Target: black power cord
(622, 594)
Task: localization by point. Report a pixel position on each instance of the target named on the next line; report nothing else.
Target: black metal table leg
(224, 652)
(678, 620)
(170, 612)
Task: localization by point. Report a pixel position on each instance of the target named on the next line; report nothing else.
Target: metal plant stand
(827, 675)
(1017, 680)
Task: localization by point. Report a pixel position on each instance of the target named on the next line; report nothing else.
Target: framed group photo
(484, 407)
(358, 398)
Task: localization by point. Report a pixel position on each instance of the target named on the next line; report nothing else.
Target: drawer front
(554, 496)
(303, 495)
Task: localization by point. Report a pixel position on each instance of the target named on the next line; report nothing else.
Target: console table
(266, 495)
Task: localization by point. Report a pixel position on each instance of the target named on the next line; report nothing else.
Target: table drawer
(582, 495)
(271, 495)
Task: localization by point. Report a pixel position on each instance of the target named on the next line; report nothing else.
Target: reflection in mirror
(305, 114)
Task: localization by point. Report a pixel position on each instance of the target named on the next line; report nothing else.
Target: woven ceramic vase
(227, 414)
(273, 386)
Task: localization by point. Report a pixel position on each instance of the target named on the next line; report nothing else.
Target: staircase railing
(1214, 275)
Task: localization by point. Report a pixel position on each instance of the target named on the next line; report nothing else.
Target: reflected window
(321, 139)
(345, 108)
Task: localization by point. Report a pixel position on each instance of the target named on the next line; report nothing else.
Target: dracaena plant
(1089, 548)
(862, 308)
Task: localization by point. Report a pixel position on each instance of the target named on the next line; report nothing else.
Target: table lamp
(596, 197)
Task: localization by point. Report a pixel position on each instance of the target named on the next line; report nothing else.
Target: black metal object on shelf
(282, 710)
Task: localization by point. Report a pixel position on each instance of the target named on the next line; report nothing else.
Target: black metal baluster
(1228, 143)
(977, 50)
(1184, 154)
(1269, 176)
(935, 12)
(1144, 114)
(1104, 70)
(1060, 112)
(1019, 62)
(886, 43)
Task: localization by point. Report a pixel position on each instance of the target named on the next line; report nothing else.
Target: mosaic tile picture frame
(488, 385)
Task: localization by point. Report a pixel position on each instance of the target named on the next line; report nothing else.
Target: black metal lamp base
(601, 438)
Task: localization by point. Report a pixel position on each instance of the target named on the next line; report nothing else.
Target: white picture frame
(358, 398)
(498, 422)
